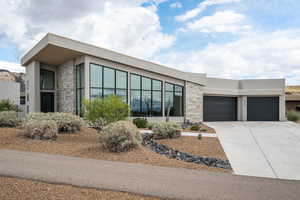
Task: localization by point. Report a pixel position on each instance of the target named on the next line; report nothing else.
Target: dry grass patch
(207, 146)
(85, 144)
(19, 189)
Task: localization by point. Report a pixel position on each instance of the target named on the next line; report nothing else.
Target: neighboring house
(61, 72)
(292, 98)
(12, 86)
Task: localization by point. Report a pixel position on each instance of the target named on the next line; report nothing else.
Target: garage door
(263, 108)
(217, 108)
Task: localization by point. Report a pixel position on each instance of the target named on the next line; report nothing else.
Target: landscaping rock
(149, 142)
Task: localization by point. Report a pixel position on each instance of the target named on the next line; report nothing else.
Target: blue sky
(223, 38)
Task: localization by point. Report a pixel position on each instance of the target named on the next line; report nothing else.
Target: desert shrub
(199, 136)
(7, 105)
(166, 130)
(98, 124)
(293, 116)
(111, 109)
(150, 125)
(140, 122)
(120, 136)
(9, 119)
(40, 130)
(66, 122)
(195, 127)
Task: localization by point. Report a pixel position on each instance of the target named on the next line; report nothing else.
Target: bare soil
(85, 144)
(20, 189)
(207, 146)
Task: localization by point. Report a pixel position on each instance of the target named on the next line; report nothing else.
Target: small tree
(110, 108)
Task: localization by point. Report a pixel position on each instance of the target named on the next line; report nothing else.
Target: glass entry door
(47, 102)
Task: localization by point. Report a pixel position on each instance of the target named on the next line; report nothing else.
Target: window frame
(81, 88)
(115, 81)
(54, 81)
(151, 90)
(174, 92)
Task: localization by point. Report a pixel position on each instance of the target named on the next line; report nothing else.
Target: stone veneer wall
(66, 95)
(194, 102)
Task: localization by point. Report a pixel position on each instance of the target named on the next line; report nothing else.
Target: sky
(238, 39)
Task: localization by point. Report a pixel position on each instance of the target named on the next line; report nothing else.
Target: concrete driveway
(265, 149)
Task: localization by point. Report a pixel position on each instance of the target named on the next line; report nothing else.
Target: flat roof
(56, 50)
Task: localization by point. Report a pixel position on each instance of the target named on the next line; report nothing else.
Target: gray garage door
(217, 108)
(263, 108)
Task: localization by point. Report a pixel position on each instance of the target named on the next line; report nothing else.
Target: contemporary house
(61, 72)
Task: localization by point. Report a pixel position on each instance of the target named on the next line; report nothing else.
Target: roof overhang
(56, 50)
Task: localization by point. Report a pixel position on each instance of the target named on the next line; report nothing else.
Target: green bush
(200, 136)
(293, 116)
(120, 136)
(9, 119)
(40, 129)
(111, 109)
(7, 105)
(150, 125)
(66, 122)
(195, 127)
(140, 122)
(166, 130)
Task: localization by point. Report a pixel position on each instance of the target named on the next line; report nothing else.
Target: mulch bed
(207, 146)
(85, 144)
(20, 189)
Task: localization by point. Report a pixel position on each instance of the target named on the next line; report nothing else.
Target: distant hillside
(292, 89)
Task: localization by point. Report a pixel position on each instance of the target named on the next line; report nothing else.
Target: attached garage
(219, 108)
(263, 108)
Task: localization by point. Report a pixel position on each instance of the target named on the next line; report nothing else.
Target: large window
(146, 96)
(47, 80)
(79, 88)
(173, 100)
(105, 81)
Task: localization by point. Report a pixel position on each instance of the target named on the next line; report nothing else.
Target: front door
(47, 102)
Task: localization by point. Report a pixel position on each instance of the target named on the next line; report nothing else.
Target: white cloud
(223, 21)
(268, 55)
(12, 67)
(121, 25)
(176, 5)
(201, 7)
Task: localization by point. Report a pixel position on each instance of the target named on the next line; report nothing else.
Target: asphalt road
(143, 179)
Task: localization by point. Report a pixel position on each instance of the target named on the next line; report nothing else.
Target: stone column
(193, 102)
(66, 87)
(282, 115)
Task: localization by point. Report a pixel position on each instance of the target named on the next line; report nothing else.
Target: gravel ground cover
(20, 189)
(85, 144)
(207, 146)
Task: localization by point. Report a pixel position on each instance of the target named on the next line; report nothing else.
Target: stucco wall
(193, 102)
(32, 78)
(11, 91)
(66, 87)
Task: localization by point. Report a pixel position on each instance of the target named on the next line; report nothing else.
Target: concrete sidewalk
(143, 179)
